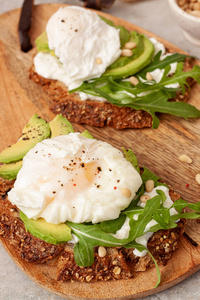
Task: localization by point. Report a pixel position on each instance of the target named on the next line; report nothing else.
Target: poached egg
(74, 178)
(84, 46)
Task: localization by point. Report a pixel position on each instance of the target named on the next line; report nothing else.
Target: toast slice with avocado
(132, 98)
(36, 241)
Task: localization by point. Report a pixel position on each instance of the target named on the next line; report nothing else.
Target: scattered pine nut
(98, 61)
(130, 45)
(126, 192)
(192, 7)
(149, 76)
(126, 52)
(197, 178)
(149, 185)
(195, 13)
(117, 270)
(102, 251)
(144, 198)
(181, 2)
(133, 80)
(185, 158)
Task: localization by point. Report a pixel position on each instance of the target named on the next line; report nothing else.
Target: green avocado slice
(34, 132)
(42, 44)
(86, 134)
(60, 126)
(135, 65)
(11, 170)
(50, 233)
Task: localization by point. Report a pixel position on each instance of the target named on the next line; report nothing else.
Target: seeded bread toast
(96, 113)
(118, 263)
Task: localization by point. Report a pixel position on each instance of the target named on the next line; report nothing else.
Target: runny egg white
(74, 178)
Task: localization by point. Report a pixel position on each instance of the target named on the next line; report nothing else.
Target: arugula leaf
(112, 226)
(130, 156)
(141, 248)
(148, 175)
(180, 204)
(138, 227)
(156, 63)
(90, 236)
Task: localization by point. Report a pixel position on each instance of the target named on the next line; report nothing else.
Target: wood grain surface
(157, 149)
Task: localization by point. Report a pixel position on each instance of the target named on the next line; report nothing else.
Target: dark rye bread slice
(118, 263)
(96, 113)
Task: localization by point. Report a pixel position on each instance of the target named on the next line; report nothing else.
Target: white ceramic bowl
(189, 23)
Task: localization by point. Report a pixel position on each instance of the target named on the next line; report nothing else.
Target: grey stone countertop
(155, 16)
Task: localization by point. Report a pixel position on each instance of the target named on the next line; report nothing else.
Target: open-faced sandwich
(98, 73)
(67, 197)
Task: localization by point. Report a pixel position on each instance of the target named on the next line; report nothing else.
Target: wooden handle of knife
(98, 4)
(25, 25)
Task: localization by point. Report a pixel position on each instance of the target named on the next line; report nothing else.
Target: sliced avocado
(60, 126)
(50, 233)
(42, 44)
(135, 65)
(86, 134)
(34, 132)
(10, 171)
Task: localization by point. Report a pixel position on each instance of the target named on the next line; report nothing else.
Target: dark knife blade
(25, 25)
(98, 4)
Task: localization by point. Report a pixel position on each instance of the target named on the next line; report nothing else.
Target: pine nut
(117, 270)
(102, 251)
(126, 192)
(149, 185)
(196, 6)
(130, 45)
(98, 61)
(181, 2)
(185, 158)
(149, 76)
(197, 178)
(190, 6)
(133, 80)
(126, 52)
(195, 13)
(144, 198)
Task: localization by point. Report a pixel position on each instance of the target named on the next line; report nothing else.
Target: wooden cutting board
(157, 149)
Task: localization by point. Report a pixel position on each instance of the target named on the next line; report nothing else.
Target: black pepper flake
(61, 184)
(36, 151)
(110, 170)
(66, 168)
(98, 186)
(82, 165)
(76, 30)
(63, 20)
(83, 151)
(118, 180)
(99, 169)
(54, 192)
(25, 138)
